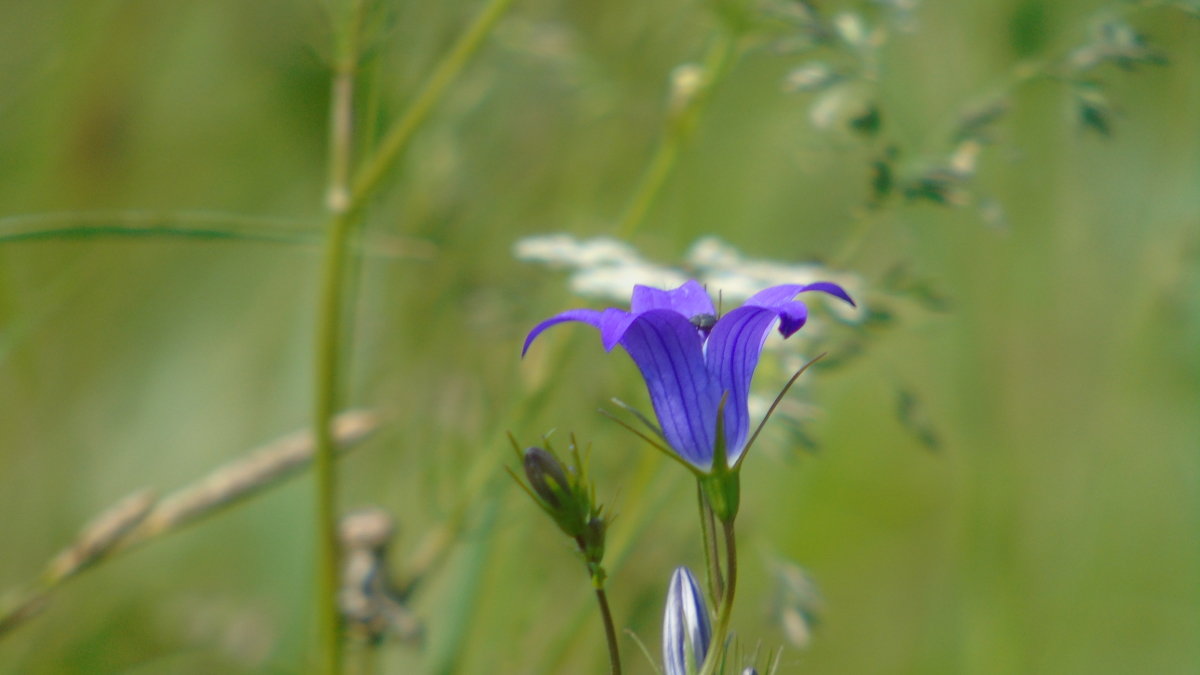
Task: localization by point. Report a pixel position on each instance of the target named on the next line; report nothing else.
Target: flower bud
(546, 476)
(686, 628)
(564, 492)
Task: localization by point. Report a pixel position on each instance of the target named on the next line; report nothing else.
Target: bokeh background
(1000, 472)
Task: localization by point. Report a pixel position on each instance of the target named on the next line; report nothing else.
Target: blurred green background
(1055, 527)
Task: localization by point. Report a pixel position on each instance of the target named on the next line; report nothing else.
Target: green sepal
(591, 543)
(722, 485)
(722, 489)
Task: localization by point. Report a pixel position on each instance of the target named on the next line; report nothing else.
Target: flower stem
(610, 633)
(341, 111)
(678, 129)
(328, 335)
(717, 646)
(325, 401)
(708, 533)
(640, 503)
(346, 201)
(598, 575)
(398, 135)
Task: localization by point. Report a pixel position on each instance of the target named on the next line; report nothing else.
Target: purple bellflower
(694, 362)
(687, 631)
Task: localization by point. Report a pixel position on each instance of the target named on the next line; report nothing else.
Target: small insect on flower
(704, 322)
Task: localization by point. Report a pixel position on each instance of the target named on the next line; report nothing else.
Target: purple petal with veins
(689, 364)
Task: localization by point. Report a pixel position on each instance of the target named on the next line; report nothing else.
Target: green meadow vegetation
(223, 222)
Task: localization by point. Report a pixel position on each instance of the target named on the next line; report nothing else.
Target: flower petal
(732, 355)
(689, 299)
(686, 627)
(611, 323)
(670, 353)
(785, 292)
(832, 289)
(793, 314)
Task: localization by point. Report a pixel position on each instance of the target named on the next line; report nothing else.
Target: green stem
(325, 401)
(182, 224)
(708, 533)
(329, 335)
(610, 633)
(401, 131)
(678, 129)
(716, 648)
(640, 502)
(346, 203)
(651, 184)
(598, 575)
(341, 113)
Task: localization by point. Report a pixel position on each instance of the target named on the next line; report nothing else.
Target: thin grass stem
(401, 131)
(205, 225)
(328, 337)
(328, 352)
(678, 129)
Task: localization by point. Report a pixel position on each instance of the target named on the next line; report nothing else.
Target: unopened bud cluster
(564, 492)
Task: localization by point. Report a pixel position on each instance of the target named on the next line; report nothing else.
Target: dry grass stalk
(22, 606)
(246, 476)
(141, 517)
(100, 535)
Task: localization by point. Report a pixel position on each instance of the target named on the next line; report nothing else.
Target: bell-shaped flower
(687, 631)
(694, 362)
